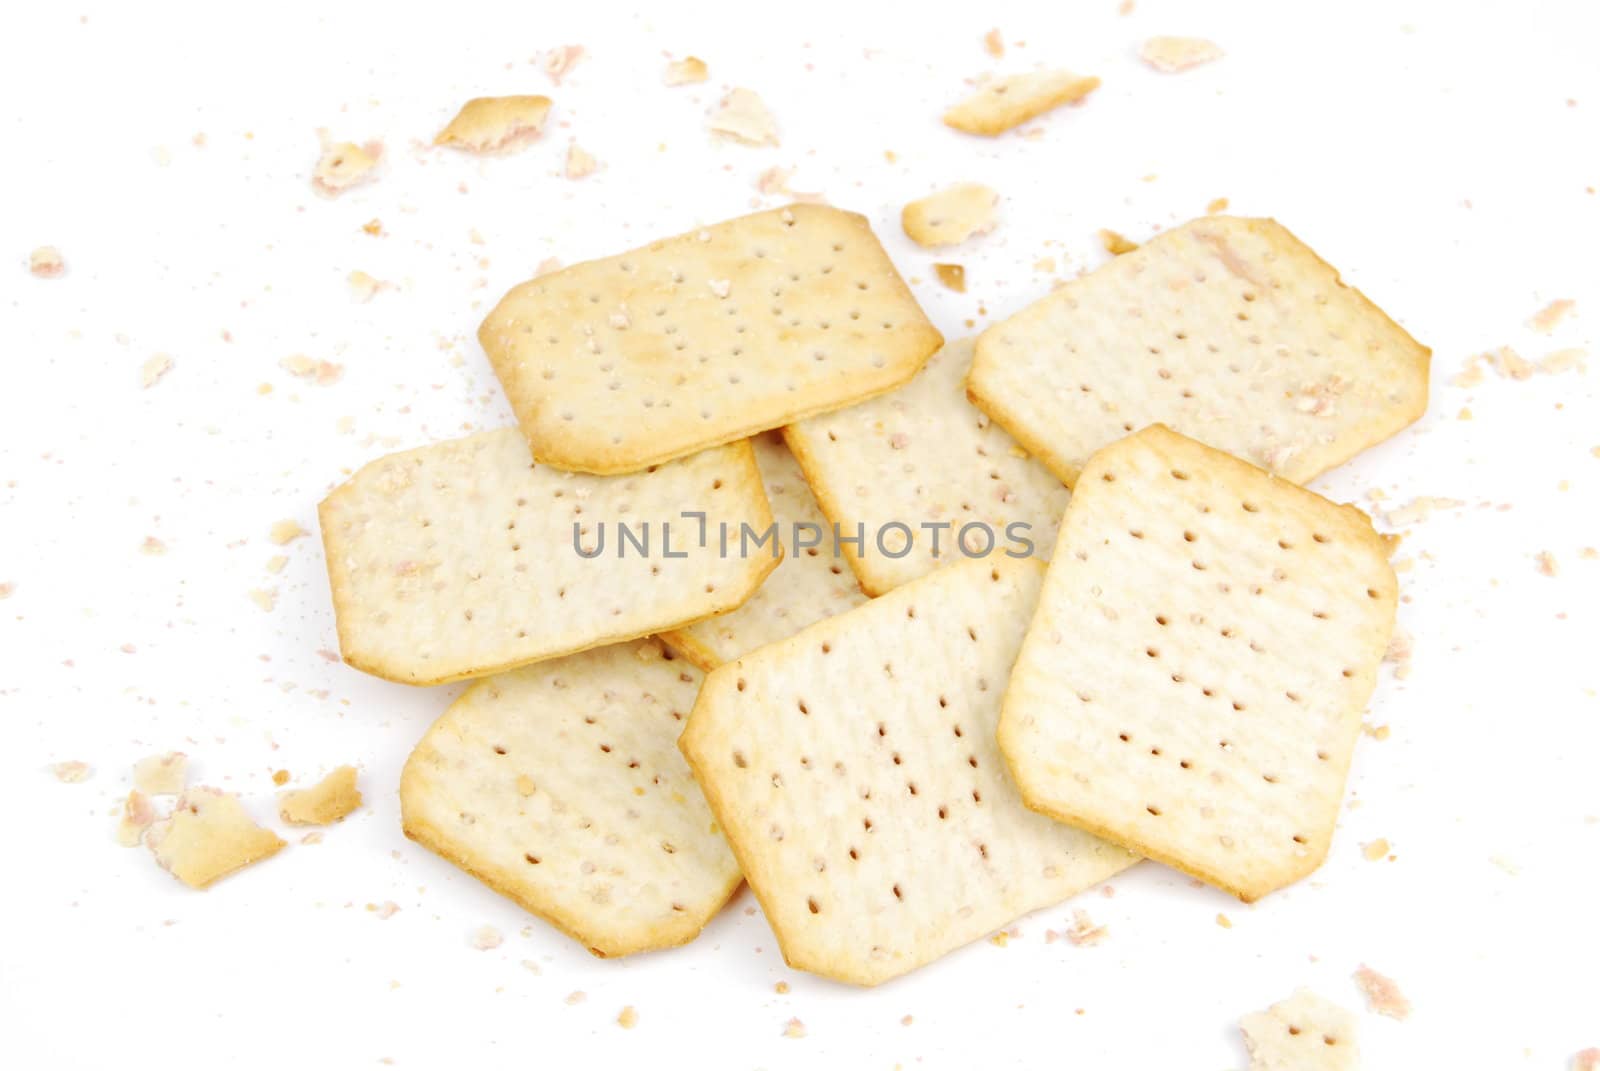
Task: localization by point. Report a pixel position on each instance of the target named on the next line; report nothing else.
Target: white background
(1444, 156)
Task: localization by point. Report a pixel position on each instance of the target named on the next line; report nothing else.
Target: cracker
(1303, 1033)
(923, 455)
(854, 770)
(208, 836)
(324, 803)
(704, 338)
(1192, 684)
(808, 584)
(1004, 103)
(950, 216)
(1227, 330)
(458, 559)
(496, 124)
(559, 786)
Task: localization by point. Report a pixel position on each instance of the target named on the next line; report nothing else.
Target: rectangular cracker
(560, 786)
(714, 335)
(458, 560)
(1228, 330)
(804, 588)
(923, 455)
(1192, 683)
(854, 770)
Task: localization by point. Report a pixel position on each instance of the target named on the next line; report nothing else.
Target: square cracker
(804, 588)
(924, 455)
(711, 336)
(1230, 331)
(560, 786)
(1192, 683)
(854, 770)
(458, 559)
(1303, 1033)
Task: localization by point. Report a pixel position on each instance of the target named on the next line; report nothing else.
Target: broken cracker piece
(137, 816)
(1116, 244)
(154, 369)
(344, 165)
(162, 775)
(742, 117)
(950, 216)
(208, 836)
(580, 163)
(1005, 103)
(496, 124)
(953, 276)
(324, 803)
(72, 772)
(1303, 1033)
(1545, 320)
(285, 531)
(363, 286)
(557, 62)
(46, 262)
(993, 44)
(322, 373)
(1172, 54)
(683, 72)
(1383, 996)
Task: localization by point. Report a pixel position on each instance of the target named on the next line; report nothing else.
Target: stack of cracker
(915, 638)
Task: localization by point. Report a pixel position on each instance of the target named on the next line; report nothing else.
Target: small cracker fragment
(465, 558)
(322, 373)
(794, 1028)
(137, 816)
(925, 457)
(1546, 564)
(266, 599)
(1587, 1060)
(1219, 204)
(952, 276)
(702, 359)
(1546, 319)
(486, 938)
(1192, 684)
(46, 262)
(1374, 850)
(686, 71)
(1383, 996)
(580, 164)
(993, 44)
(208, 836)
(615, 846)
(345, 164)
(72, 772)
(1303, 1033)
(1084, 931)
(741, 116)
(854, 771)
(1116, 244)
(162, 775)
(628, 1018)
(326, 802)
(364, 287)
(1172, 54)
(285, 531)
(1418, 509)
(808, 585)
(154, 369)
(1005, 103)
(1228, 330)
(950, 216)
(559, 61)
(496, 124)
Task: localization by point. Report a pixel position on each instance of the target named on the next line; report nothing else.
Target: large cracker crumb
(1172, 54)
(742, 117)
(794, 1028)
(285, 531)
(1302, 1033)
(485, 938)
(1116, 244)
(1546, 563)
(344, 165)
(153, 369)
(950, 216)
(208, 836)
(993, 45)
(1383, 996)
(162, 775)
(1003, 104)
(495, 124)
(1545, 320)
(138, 815)
(1418, 510)
(558, 62)
(1375, 850)
(686, 71)
(627, 1018)
(264, 598)
(72, 772)
(46, 262)
(322, 373)
(580, 163)
(952, 276)
(1568, 360)
(328, 801)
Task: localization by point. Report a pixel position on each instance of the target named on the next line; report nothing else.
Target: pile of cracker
(1028, 608)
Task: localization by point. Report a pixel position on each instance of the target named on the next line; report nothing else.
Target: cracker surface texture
(715, 335)
(1303, 1033)
(807, 585)
(561, 786)
(458, 559)
(1005, 103)
(496, 124)
(925, 456)
(1227, 330)
(854, 770)
(950, 216)
(1192, 683)
(324, 803)
(208, 836)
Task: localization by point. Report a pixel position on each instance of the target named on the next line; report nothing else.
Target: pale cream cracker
(496, 124)
(805, 587)
(950, 216)
(923, 455)
(1227, 330)
(854, 770)
(458, 559)
(711, 336)
(1192, 683)
(1303, 1033)
(208, 836)
(560, 786)
(1005, 103)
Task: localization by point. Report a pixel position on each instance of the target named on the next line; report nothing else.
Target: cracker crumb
(280, 777)
(1418, 509)
(1401, 648)
(323, 373)
(1378, 732)
(314, 837)
(1218, 205)
(153, 369)
(688, 70)
(1383, 996)
(276, 563)
(993, 45)
(794, 1028)
(162, 775)
(1172, 54)
(1000, 940)
(1224, 921)
(773, 181)
(906, 1020)
(1375, 850)
(46, 262)
(326, 802)
(742, 117)
(385, 910)
(781, 987)
(1545, 320)
(152, 546)
(486, 937)
(577, 996)
(285, 531)
(72, 772)
(373, 227)
(1084, 931)
(208, 836)
(951, 215)
(558, 62)
(1546, 564)
(363, 286)
(265, 598)
(1568, 360)
(953, 276)
(1283, 1037)
(344, 165)
(529, 964)
(627, 1018)
(138, 815)
(1116, 244)
(1587, 1060)
(580, 163)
